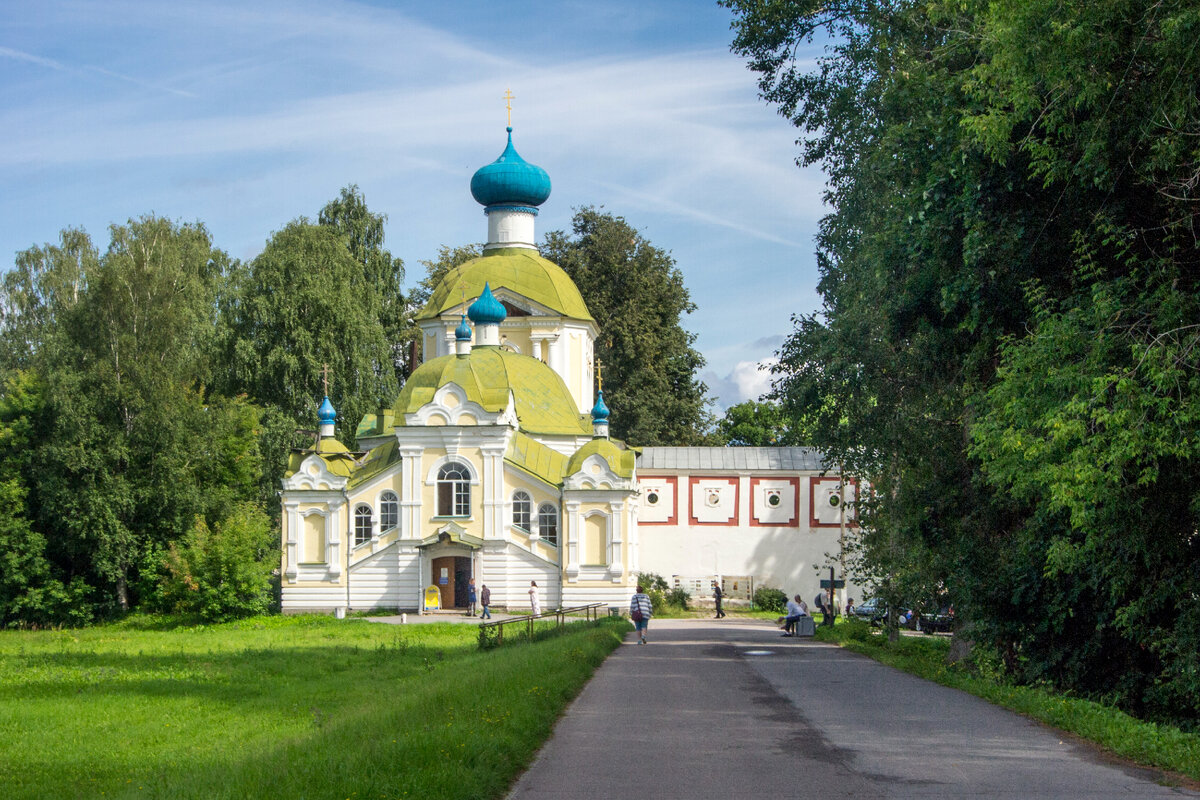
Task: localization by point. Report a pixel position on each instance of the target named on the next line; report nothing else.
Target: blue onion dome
(463, 332)
(326, 413)
(600, 410)
(510, 181)
(487, 309)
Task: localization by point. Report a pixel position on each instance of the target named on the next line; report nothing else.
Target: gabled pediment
(452, 533)
(452, 406)
(314, 475)
(595, 473)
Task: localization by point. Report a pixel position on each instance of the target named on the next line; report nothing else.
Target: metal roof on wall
(730, 458)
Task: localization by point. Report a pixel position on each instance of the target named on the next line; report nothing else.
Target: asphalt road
(728, 709)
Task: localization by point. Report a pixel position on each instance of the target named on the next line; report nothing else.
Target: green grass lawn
(1147, 743)
(295, 707)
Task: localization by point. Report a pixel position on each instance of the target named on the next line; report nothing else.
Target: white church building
(495, 464)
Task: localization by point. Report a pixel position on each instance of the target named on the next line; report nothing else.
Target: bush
(678, 597)
(652, 581)
(768, 599)
(662, 596)
(223, 573)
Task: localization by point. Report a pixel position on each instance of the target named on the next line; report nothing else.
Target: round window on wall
(835, 500)
(773, 500)
(652, 499)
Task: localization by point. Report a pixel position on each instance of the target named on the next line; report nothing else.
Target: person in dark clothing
(717, 596)
(485, 600)
(825, 606)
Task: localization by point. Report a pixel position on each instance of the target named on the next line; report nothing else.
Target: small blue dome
(510, 180)
(487, 309)
(326, 413)
(600, 410)
(463, 332)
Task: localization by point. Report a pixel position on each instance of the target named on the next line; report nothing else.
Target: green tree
(636, 294)
(223, 572)
(302, 304)
(44, 282)
(754, 424)
(130, 447)
(31, 590)
(1005, 347)
(383, 273)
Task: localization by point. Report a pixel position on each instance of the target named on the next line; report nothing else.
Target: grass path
(295, 707)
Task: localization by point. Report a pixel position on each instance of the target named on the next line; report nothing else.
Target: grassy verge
(1146, 743)
(280, 707)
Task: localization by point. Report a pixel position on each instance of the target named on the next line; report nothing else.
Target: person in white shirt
(534, 601)
(795, 610)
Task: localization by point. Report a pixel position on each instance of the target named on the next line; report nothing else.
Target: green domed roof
(518, 269)
(487, 374)
(619, 461)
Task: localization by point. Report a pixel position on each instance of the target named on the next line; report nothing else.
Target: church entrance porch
(452, 575)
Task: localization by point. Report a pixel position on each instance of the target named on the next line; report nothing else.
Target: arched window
(389, 511)
(454, 491)
(362, 524)
(522, 511)
(548, 523)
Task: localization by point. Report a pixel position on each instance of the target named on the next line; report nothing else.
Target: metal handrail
(589, 611)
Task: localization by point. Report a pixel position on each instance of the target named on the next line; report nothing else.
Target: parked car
(940, 621)
(875, 611)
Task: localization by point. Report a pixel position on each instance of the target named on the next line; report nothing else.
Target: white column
(492, 486)
(615, 569)
(334, 523)
(571, 523)
(291, 511)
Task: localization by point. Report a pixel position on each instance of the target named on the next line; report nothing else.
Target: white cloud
(749, 380)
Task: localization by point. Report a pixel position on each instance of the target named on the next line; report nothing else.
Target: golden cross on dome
(508, 98)
(599, 374)
(325, 379)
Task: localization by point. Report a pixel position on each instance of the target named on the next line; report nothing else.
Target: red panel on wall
(732, 521)
(671, 520)
(795, 521)
(813, 483)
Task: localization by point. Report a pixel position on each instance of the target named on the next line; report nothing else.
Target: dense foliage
(1007, 344)
(150, 392)
(755, 424)
(635, 292)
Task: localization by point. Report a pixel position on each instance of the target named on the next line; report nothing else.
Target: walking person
(472, 598)
(640, 611)
(717, 596)
(534, 601)
(485, 600)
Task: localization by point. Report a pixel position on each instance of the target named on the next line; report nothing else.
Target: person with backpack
(640, 611)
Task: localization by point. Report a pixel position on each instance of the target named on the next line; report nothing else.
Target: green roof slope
(621, 461)
(518, 269)
(535, 458)
(543, 402)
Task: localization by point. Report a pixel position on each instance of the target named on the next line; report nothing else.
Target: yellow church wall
(431, 460)
(546, 551)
